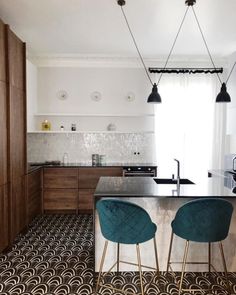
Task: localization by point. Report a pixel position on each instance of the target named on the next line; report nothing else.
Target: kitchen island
(162, 201)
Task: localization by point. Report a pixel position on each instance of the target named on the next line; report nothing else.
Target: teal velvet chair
(204, 220)
(123, 222)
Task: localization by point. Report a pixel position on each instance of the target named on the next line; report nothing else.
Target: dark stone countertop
(88, 165)
(147, 187)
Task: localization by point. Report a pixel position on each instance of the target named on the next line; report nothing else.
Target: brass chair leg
(209, 257)
(139, 267)
(170, 249)
(156, 256)
(225, 267)
(118, 257)
(101, 265)
(183, 266)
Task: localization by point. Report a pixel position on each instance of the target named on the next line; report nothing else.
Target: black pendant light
(223, 96)
(154, 97)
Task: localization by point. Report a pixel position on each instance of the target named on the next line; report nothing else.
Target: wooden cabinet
(2, 52)
(88, 179)
(34, 195)
(3, 134)
(18, 207)
(16, 129)
(60, 189)
(4, 194)
(16, 61)
(13, 207)
(60, 178)
(60, 199)
(86, 200)
(72, 189)
(4, 223)
(3, 107)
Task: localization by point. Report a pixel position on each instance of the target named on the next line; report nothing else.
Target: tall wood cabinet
(12, 135)
(4, 196)
(16, 93)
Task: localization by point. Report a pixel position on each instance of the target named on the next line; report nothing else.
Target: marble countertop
(147, 187)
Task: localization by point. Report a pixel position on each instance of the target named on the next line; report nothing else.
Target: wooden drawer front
(60, 199)
(88, 177)
(34, 205)
(86, 199)
(60, 178)
(3, 217)
(34, 182)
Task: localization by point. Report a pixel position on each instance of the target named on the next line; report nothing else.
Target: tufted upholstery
(203, 220)
(124, 222)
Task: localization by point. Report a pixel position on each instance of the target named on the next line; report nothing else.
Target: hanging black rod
(186, 70)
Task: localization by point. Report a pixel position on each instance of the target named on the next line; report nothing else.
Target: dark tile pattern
(55, 257)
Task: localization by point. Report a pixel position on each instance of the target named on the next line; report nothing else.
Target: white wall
(231, 107)
(32, 88)
(113, 84)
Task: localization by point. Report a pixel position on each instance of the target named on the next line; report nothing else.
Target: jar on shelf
(46, 125)
(73, 127)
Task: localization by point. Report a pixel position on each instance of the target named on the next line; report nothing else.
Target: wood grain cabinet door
(60, 199)
(18, 206)
(3, 134)
(16, 61)
(89, 177)
(4, 240)
(60, 178)
(86, 200)
(34, 197)
(2, 52)
(17, 133)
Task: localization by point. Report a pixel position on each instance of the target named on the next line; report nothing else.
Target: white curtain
(189, 126)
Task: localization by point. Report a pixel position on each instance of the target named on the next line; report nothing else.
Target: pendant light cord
(172, 48)
(135, 43)
(230, 73)
(204, 40)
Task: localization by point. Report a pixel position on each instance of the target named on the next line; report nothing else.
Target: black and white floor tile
(55, 257)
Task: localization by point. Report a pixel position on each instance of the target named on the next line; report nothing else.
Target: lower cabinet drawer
(60, 199)
(86, 200)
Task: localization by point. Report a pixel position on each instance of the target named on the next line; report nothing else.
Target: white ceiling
(97, 27)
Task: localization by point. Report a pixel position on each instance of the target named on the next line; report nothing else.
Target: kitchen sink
(172, 181)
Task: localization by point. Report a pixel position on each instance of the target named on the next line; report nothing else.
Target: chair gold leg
(225, 267)
(156, 256)
(139, 267)
(101, 265)
(209, 257)
(170, 249)
(183, 266)
(118, 257)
